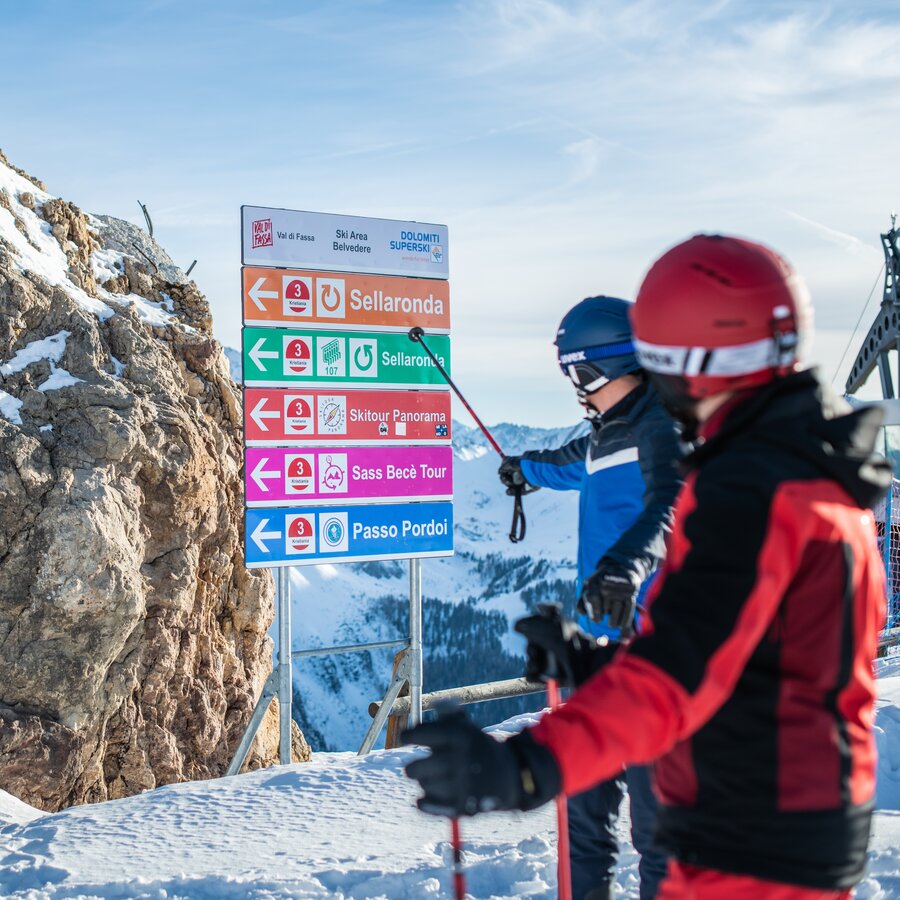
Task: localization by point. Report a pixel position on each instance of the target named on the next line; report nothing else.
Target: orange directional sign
(279, 297)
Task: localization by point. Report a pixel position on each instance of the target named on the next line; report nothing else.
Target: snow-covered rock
(134, 641)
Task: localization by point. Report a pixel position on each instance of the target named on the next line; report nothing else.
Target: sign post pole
(284, 664)
(415, 640)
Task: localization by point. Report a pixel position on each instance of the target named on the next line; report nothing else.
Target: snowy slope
(340, 826)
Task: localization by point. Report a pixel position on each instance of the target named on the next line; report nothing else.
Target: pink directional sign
(322, 475)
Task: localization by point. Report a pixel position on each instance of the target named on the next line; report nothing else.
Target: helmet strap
(590, 412)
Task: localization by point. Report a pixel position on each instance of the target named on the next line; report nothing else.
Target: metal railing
(463, 696)
(397, 708)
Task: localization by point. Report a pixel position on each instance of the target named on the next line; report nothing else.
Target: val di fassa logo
(420, 242)
(261, 233)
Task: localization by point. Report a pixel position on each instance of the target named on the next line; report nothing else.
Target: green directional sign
(278, 357)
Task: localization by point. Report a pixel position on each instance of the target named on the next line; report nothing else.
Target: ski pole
(459, 875)
(563, 871)
(517, 530)
(450, 710)
(417, 334)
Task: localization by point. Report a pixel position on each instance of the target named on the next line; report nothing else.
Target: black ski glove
(468, 772)
(511, 476)
(557, 648)
(612, 590)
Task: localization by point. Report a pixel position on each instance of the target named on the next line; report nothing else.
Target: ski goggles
(585, 369)
(586, 377)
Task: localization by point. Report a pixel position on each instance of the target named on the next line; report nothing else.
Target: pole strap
(517, 529)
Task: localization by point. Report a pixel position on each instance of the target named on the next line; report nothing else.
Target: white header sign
(307, 240)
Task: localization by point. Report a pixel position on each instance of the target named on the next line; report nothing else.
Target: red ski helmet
(718, 313)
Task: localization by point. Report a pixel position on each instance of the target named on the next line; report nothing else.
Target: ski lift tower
(884, 334)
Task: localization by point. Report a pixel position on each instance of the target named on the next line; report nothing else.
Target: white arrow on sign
(256, 354)
(257, 294)
(259, 474)
(259, 535)
(259, 412)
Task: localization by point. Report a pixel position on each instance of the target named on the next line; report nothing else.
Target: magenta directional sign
(278, 476)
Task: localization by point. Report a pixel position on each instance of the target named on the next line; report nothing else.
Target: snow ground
(341, 826)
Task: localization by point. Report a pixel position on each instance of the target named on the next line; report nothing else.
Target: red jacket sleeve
(732, 555)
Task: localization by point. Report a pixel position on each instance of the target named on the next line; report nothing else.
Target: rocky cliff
(133, 642)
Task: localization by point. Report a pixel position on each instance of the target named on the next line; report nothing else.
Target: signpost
(286, 418)
(291, 297)
(304, 536)
(308, 240)
(276, 357)
(346, 420)
(281, 476)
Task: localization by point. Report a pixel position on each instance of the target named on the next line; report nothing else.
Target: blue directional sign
(306, 536)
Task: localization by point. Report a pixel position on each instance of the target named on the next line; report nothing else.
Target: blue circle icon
(333, 532)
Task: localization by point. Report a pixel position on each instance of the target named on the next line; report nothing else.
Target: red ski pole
(416, 335)
(517, 531)
(564, 873)
(459, 876)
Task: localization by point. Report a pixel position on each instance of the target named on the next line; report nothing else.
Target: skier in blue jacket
(625, 470)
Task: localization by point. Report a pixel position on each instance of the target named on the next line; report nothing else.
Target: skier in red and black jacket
(751, 683)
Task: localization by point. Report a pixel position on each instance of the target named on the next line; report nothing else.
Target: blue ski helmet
(594, 343)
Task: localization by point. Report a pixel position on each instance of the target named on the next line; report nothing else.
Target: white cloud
(586, 154)
(840, 238)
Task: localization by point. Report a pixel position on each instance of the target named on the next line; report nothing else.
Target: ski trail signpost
(281, 476)
(278, 417)
(291, 298)
(304, 240)
(346, 420)
(282, 357)
(349, 533)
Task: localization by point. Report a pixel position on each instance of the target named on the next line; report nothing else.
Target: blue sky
(565, 144)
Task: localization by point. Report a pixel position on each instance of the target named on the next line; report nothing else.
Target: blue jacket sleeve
(641, 547)
(562, 469)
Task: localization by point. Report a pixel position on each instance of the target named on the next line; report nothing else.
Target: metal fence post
(415, 641)
(889, 553)
(284, 664)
